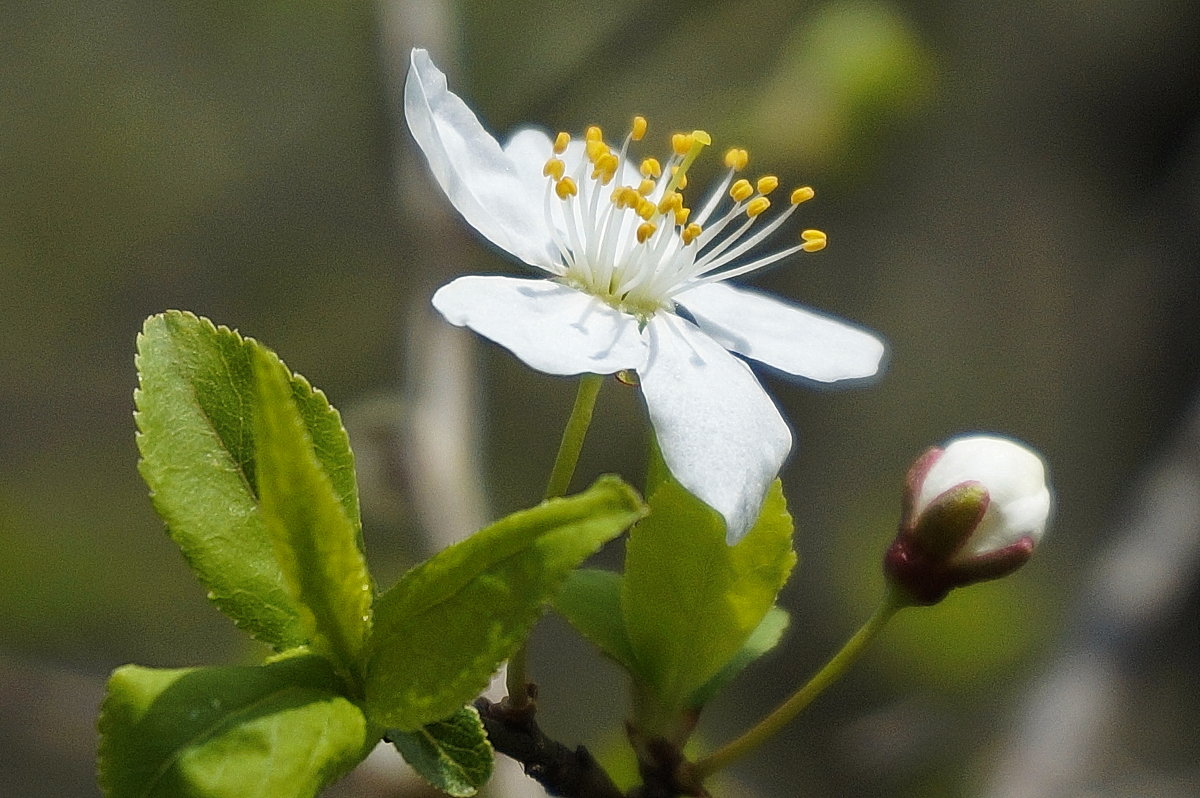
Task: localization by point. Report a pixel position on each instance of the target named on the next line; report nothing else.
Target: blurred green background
(1012, 196)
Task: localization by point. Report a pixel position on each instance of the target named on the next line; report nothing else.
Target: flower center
(626, 234)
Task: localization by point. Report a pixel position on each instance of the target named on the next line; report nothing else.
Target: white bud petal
(1014, 477)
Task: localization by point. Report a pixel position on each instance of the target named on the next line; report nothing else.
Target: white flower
(633, 279)
(1015, 480)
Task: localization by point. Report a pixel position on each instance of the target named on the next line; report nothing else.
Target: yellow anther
(594, 133)
(644, 231)
(566, 188)
(606, 167)
(681, 143)
(651, 168)
(554, 168)
(639, 128)
(670, 202)
(679, 178)
(737, 159)
(702, 138)
(767, 184)
(625, 197)
(691, 233)
(802, 194)
(681, 216)
(756, 206)
(595, 149)
(646, 209)
(814, 241)
(645, 187)
(741, 191)
(561, 141)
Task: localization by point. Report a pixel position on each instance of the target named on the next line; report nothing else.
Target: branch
(559, 769)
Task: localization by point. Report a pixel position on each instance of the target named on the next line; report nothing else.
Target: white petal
(719, 432)
(528, 149)
(479, 179)
(784, 336)
(553, 328)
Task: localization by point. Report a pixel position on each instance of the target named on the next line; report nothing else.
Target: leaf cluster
(251, 470)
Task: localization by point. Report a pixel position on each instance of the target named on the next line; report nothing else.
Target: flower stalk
(838, 665)
(516, 677)
(572, 439)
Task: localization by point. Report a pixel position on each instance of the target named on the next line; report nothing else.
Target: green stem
(560, 479)
(573, 435)
(789, 709)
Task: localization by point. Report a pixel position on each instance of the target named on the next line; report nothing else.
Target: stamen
(641, 260)
(595, 149)
(613, 225)
(714, 198)
(757, 206)
(767, 184)
(576, 263)
(606, 168)
(624, 197)
(662, 272)
(681, 143)
(566, 188)
(753, 266)
(565, 251)
(741, 190)
(721, 253)
(814, 241)
(670, 202)
(712, 230)
(802, 194)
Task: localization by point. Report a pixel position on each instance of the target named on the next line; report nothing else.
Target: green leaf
(316, 545)
(590, 600)
(453, 755)
(442, 631)
(281, 730)
(764, 638)
(689, 601)
(195, 401)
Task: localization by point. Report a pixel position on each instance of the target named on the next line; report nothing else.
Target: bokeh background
(1012, 196)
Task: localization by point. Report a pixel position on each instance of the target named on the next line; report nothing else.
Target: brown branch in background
(562, 771)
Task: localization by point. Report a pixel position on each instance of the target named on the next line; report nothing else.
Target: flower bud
(972, 511)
